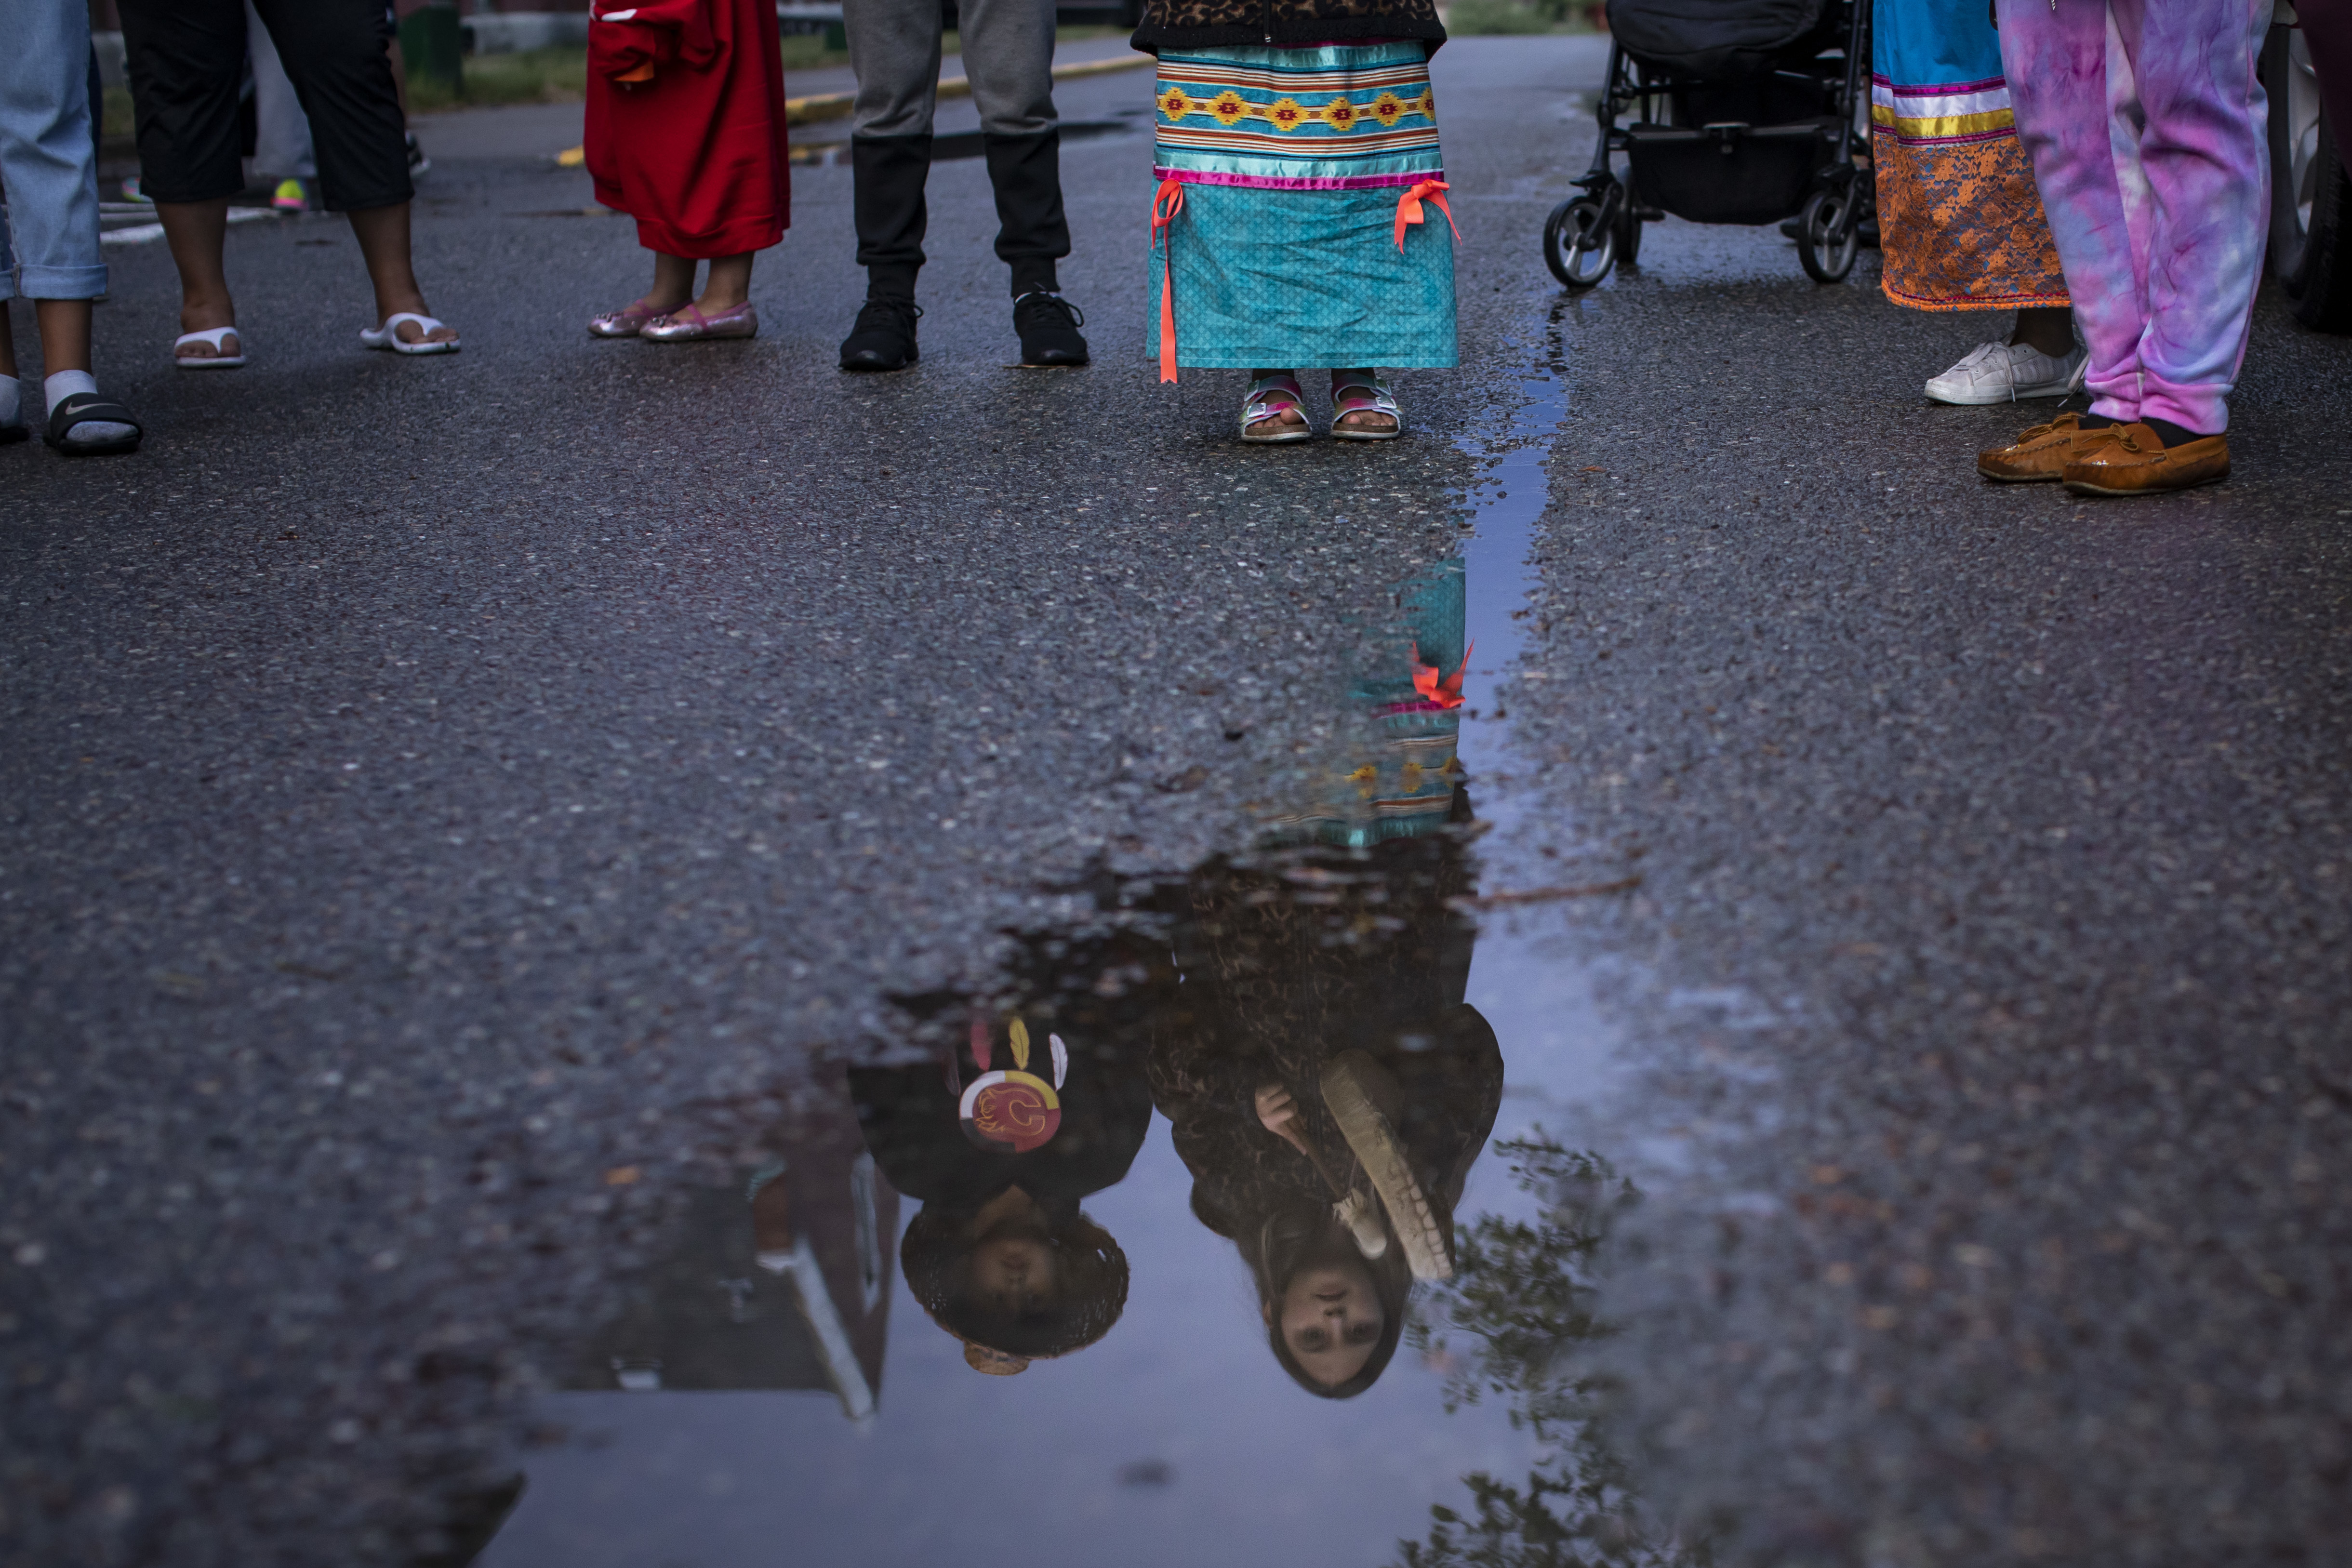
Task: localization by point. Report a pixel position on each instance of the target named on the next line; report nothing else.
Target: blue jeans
(48, 239)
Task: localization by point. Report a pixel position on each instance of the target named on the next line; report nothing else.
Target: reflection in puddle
(778, 1283)
(1517, 1310)
(1166, 1222)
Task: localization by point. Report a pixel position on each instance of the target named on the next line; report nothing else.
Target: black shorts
(185, 60)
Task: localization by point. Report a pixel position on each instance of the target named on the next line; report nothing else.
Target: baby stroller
(1751, 111)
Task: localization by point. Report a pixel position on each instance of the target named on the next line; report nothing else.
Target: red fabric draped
(686, 123)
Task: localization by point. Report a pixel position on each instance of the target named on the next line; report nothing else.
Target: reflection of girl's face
(1332, 1320)
(1013, 1273)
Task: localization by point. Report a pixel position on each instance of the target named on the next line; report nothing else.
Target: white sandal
(211, 337)
(388, 336)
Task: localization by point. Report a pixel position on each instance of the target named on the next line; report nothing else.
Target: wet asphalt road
(433, 784)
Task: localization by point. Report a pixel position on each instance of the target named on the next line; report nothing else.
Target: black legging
(187, 61)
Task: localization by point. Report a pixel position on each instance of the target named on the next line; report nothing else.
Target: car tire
(2311, 192)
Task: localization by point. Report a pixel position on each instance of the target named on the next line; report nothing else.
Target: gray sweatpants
(1008, 56)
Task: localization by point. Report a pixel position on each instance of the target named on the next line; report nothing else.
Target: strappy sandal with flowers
(1270, 398)
(1350, 395)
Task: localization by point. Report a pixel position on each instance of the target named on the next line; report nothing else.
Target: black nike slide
(90, 409)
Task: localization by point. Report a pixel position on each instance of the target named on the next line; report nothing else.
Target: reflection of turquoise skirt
(1391, 772)
(1293, 163)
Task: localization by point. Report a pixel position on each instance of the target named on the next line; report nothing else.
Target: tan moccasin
(2139, 463)
(2042, 454)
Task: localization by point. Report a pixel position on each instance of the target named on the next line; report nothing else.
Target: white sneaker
(2003, 372)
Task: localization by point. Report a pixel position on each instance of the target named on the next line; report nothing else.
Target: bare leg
(729, 283)
(673, 283)
(382, 234)
(65, 346)
(1289, 418)
(2046, 329)
(65, 334)
(196, 231)
(1362, 419)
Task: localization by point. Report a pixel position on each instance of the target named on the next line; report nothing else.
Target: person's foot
(208, 331)
(1274, 413)
(1363, 408)
(1049, 325)
(290, 197)
(689, 323)
(411, 331)
(221, 348)
(418, 164)
(2003, 372)
(2042, 454)
(629, 320)
(2136, 462)
(83, 424)
(883, 337)
(12, 411)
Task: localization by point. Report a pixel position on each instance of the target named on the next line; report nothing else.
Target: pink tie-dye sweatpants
(2147, 130)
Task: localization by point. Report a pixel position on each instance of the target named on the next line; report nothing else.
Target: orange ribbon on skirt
(1164, 209)
(1434, 685)
(1409, 207)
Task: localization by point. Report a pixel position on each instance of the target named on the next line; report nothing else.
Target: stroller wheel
(1577, 247)
(1826, 238)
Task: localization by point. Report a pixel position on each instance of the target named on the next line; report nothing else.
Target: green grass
(121, 138)
(560, 75)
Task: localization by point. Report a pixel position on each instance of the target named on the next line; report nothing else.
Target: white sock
(12, 400)
(65, 383)
(89, 433)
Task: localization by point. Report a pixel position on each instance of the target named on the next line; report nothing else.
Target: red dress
(686, 123)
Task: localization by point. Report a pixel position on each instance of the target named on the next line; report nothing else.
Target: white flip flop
(211, 337)
(388, 336)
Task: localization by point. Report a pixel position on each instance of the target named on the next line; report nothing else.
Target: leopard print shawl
(1212, 24)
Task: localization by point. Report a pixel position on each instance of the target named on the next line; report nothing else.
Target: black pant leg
(891, 172)
(185, 60)
(1031, 232)
(335, 54)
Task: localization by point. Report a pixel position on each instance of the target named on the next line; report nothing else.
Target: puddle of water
(1121, 1261)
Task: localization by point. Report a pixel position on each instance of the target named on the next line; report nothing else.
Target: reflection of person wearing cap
(999, 1142)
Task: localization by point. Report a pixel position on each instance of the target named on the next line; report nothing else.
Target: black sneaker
(884, 337)
(1049, 325)
(418, 163)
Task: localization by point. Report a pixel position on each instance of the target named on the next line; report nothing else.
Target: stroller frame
(1586, 236)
